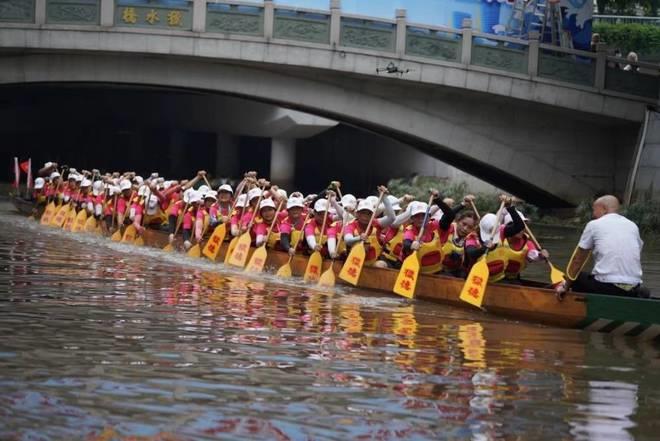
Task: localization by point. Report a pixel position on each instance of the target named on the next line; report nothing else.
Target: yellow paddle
(234, 241)
(60, 217)
(315, 262)
(406, 281)
(475, 285)
(240, 252)
(556, 276)
(90, 225)
(285, 270)
(352, 268)
(79, 222)
(212, 246)
(328, 277)
(51, 208)
(258, 259)
(70, 219)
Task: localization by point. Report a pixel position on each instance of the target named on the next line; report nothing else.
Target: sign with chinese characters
(153, 16)
(406, 281)
(475, 284)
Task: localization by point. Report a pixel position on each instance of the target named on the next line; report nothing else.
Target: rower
(355, 231)
(225, 196)
(520, 250)
(190, 217)
(291, 227)
(39, 193)
(328, 243)
(616, 246)
(123, 201)
(476, 243)
(453, 247)
(98, 197)
(429, 245)
(267, 210)
(85, 199)
(239, 209)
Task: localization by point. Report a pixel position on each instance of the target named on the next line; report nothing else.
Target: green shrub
(643, 39)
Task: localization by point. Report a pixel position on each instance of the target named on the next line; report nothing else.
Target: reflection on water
(102, 342)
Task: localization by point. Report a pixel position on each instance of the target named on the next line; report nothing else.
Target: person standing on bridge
(616, 246)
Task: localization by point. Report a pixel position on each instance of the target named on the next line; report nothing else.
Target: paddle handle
(426, 218)
(498, 221)
(325, 218)
(531, 236)
(373, 215)
(179, 220)
(207, 182)
(254, 215)
(474, 208)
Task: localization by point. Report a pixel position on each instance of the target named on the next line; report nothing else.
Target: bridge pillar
(533, 54)
(107, 12)
(466, 49)
(40, 12)
(601, 64)
(335, 22)
(269, 19)
(401, 31)
(283, 162)
(226, 157)
(199, 16)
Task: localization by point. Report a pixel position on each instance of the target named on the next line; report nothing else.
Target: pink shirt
(311, 229)
(122, 205)
(411, 231)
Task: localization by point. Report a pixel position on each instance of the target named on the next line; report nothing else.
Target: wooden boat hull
(534, 303)
(24, 206)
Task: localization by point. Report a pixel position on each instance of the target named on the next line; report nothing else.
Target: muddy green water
(100, 341)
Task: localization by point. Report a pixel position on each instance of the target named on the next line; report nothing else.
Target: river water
(100, 341)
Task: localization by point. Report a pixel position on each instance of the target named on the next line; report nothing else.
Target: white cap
(125, 184)
(194, 196)
(54, 175)
(227, 188)
(417, 207)
(39, 183)
(154, 175)
(254, 193)
(365, 205)
(142, 191)
(138, 180)
(212, 194)
(73, 171)
(241, 202)
(373, 200)
(97, 188)
(46, 165)
(394, 202)
(348, 199)
(113, 190)
(71, 176)
(321, 205)
(295, 202)
(186, 195)
(86, 183)
(507, 217)
(203, 189)
(79, 178)
(486, 225)
(282, 193)
(268, 202)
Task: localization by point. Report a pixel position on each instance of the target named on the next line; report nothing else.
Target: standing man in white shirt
(616, 247)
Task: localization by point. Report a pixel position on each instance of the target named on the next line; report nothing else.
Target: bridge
(551, 125)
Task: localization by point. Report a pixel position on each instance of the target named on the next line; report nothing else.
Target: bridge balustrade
(396, 39)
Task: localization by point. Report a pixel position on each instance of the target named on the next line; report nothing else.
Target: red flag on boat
(25, 166)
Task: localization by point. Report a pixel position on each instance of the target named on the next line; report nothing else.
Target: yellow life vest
(516, 260)
(430, 255)
(497, 262)
(392, 249)
(372, 241)
(452, 254)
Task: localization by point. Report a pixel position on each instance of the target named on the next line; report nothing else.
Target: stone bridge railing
(394, 39)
